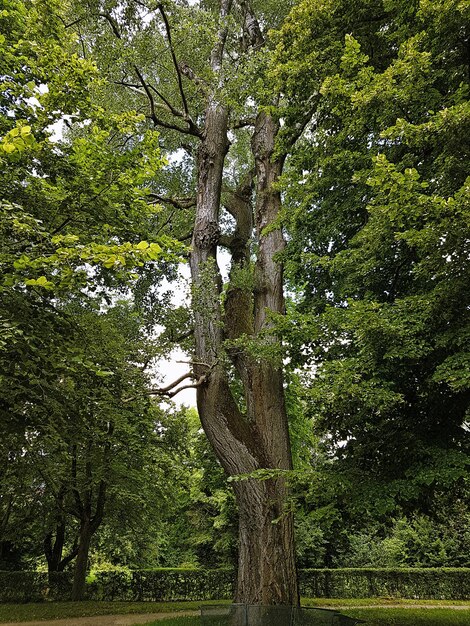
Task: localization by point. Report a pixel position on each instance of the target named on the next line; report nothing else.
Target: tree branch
(187, 71)
(171, 108)
(175, 383)
(169, 391)
(189, 333)
(192, 128)
(136, 88)
(175, 62)
(75, 490)
(112, 23)
(243, 123)
(218, 49)
(153, 114)
(201, 381)
(66, 560)
(251, 27)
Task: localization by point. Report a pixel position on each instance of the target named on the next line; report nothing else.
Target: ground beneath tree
(145, 618)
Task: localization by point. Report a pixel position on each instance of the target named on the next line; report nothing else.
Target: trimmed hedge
(34, 586)
(413, 583)
(198, 584)
(162, 585)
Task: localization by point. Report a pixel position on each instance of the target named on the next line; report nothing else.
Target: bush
(414, 583)
(162, 585)
(197, 584)
(34, 586)
(417, 541)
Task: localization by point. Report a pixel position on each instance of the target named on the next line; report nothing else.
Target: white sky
(171, 369)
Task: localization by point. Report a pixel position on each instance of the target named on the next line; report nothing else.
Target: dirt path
(105, 620)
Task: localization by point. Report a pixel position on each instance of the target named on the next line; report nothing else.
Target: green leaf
(8, 147)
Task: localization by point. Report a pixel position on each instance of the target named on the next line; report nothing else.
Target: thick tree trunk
(262, 504)
(266, 569)
(258, 437)
(81, 563)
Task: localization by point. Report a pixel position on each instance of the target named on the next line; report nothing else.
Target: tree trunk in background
(81, 563)
(89, 522)
(53, 547)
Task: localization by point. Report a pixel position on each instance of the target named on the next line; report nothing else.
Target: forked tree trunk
(90, 517)
(257, 438)
(53, 547)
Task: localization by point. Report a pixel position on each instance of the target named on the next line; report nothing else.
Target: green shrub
(417, 541)
(34, 586)
(162, 585)
(415, 583)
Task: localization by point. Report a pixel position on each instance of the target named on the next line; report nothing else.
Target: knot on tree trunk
(206, 234)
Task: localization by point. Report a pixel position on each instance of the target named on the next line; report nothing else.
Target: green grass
(353, 602)
(410, 617)
(56, 610)
(374, 617)
(175, 621)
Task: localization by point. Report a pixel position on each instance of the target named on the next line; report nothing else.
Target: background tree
(379, 237)
(75, 219)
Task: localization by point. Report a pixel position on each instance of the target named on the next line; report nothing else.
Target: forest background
(371, 103)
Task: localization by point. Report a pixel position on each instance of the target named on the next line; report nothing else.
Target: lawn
(375, 617)
(56, 610)
(384, 616)
(411, 617)
(364, 602)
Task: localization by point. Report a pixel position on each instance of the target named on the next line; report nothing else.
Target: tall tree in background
(74, 224)
(377, 194)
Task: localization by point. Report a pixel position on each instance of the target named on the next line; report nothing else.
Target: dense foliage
(378, 214)
(96, 209)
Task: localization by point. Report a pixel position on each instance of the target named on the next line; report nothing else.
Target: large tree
(377, 194)
(74, 224)
(198, 72)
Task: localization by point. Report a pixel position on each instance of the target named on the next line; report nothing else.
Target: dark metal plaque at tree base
(258, 615)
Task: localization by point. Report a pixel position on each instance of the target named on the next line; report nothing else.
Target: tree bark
(89, 521)
(81, 563)
(258, 437)
(53, 547)
(266, 567)
(267, 571)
